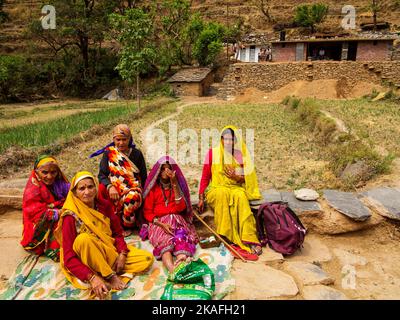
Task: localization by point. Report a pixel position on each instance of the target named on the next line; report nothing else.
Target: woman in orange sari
(43, 198)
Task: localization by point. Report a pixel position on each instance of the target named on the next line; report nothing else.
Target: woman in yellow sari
(93, 253)
(233, 183)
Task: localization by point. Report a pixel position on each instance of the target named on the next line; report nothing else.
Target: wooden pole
(218, 236)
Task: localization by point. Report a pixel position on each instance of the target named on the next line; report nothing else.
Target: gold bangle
(92, 277)
(124, 253)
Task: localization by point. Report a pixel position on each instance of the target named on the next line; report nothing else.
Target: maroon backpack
(280, 227)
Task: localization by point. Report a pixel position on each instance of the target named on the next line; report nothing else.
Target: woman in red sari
(168, 210)
(44, 196)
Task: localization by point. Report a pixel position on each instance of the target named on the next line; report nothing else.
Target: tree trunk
(374, 11)
(84, 40)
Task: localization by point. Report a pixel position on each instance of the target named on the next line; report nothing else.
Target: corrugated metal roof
(190, 75)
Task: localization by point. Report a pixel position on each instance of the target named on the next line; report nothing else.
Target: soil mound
(328, 89)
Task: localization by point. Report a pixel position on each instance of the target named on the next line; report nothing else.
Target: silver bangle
(177, 199)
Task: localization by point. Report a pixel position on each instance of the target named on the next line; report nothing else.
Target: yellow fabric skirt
(100, 258)
(232, 215)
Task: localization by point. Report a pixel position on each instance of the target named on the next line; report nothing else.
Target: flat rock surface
(348, 204)
(385, 200)
(299, 206)
(270, 256)
(270, 195)
(308, 273)
(270, 283)
(10, 236)
(320, 292)
(313, 251)
(306, 194)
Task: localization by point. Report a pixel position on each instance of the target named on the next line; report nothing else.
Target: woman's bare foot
(180, 258)
(256, 249)
(117, 283)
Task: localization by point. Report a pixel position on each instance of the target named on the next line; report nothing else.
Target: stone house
(335, 49)
(192, 81)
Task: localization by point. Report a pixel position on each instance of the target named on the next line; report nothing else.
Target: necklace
(166, 199)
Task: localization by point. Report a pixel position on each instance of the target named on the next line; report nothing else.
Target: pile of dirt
(329, 89)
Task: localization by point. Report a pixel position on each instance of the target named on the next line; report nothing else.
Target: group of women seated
(82, 224)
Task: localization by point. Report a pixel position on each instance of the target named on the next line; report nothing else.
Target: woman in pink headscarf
(122, 175)
(168, 210)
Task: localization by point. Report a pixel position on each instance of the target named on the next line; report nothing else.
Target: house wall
(198, 89)
(272, 76)
(284, 52)
(187, 88)
(367, 51)
(244, 55)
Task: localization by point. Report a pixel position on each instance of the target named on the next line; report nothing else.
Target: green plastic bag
(190, 281)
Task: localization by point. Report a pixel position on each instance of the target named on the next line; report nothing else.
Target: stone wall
(272, 76)
(198, 89)
(187, 88)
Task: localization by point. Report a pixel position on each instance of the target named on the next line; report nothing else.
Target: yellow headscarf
(221, 159)
(45, 159)
(95, 221)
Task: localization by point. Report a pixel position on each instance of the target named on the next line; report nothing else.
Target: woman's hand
(230, 173)
(99, 287)
(113, 193)
(168, 228)
(201, 205)
(119, 263)
(172, 175)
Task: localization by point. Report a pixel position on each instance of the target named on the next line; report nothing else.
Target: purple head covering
(153, 177)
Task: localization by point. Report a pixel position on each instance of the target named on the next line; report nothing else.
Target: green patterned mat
(39, 278)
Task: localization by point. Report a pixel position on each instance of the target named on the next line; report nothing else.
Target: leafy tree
(134, 30)
(375, 7)
(265, 8)
(311, 15)
(81, 25)
(209, 43)
(172, 18)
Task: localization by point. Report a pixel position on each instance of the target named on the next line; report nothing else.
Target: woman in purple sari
(168, 210)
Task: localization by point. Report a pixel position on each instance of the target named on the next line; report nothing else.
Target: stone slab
(348, 204)
(299, 206)
(308, 274)
(305, 194)
(319, 292)
(313, 251)
(10, 201)
(270, 195)
(385, 200)
(261, 282)
(270, 256)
